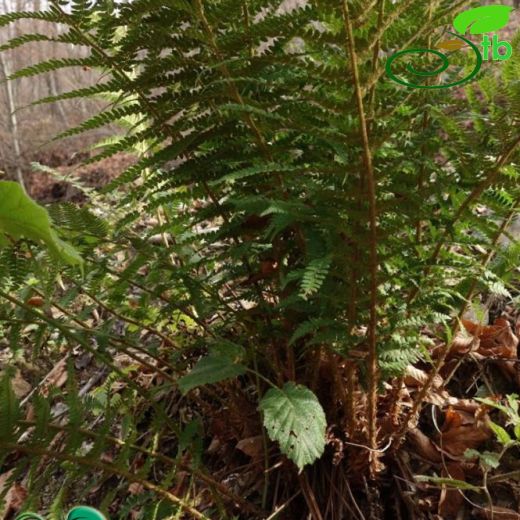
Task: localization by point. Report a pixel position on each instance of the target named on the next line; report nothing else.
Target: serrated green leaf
(490, 459)
(487, 458)
(470, 453)
(223, 362)
(294, 418)
(20, 217)
(512, 400)
(484, 19)
(502, 436)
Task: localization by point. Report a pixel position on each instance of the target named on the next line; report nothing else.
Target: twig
(308, 493)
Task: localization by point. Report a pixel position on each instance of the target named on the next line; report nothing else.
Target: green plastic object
(76, 513)
(85, 513)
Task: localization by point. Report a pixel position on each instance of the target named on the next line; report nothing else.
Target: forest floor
(47, 187)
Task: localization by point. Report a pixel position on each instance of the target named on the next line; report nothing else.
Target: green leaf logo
(480, 20)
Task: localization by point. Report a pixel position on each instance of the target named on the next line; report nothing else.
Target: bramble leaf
(502, 436)
(294, 418)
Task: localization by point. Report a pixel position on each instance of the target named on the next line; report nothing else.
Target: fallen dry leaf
(461, 431)
(20, 386)
(462, 344)
(135, 488)
(438, 397)
(57, 377)
(214, 446)
(30, 414)
(466, 405)
(36, 301)
(252, 446)
(423, 445)
(4, 477)
(416, 377)
(496, 340)
(14, 498)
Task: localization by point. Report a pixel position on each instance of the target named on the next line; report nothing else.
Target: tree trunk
(11, 118)
(56, 108)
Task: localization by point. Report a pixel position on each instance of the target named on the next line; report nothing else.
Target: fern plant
(313, 217)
